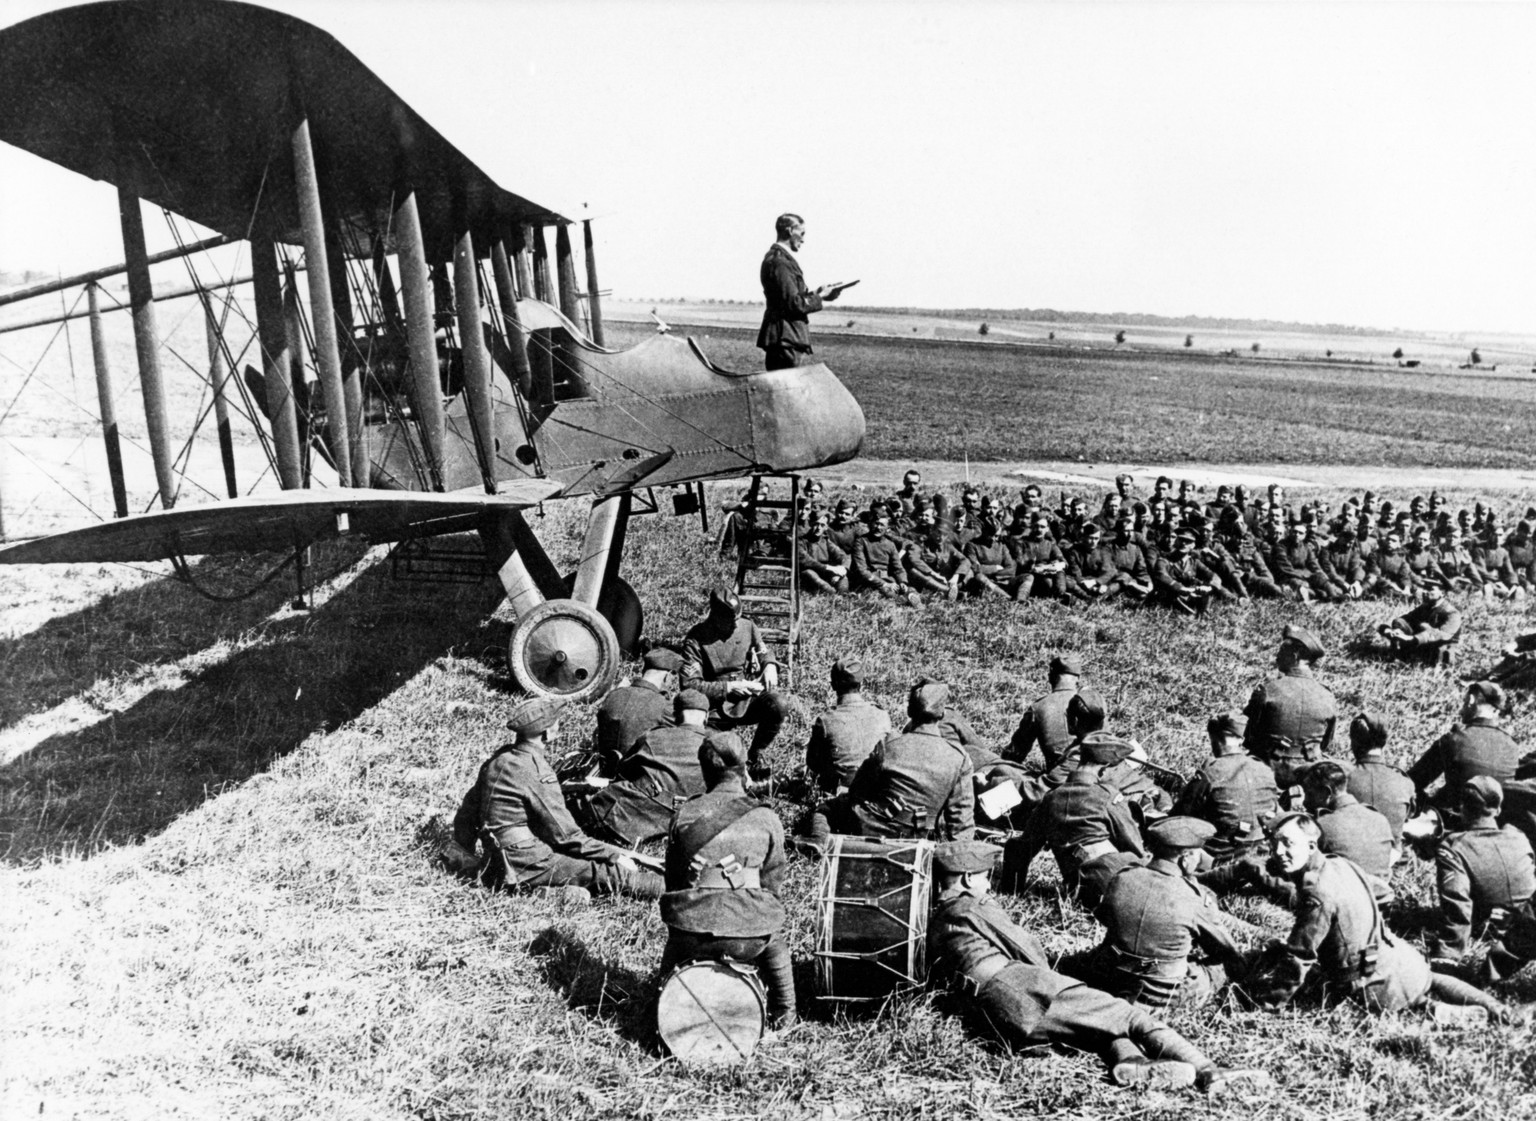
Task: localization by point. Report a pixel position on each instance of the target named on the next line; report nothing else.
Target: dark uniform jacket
(1030, 553)
(917, 784)
(993, 561)
(842, 738)
(1045, 723)
(1337, 931)
(1154, 914)
(625, 715)
(878, 562)
(1082, 820)
(516, 800)
(1363, 835)
(939, 558)
(1344, 563)
(1295, 562)
(968, 933)
(711, 838)
(1130, 561)
(660, 771)
(1478, 747)
(1173, 576)
(712, 659)
(1394, 569)
(786, 319)
(1480, 869)
(1385, 788)
(1236, 793)
(1292, 716)
(820, 555)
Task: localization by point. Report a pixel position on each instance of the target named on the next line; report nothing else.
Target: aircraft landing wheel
(564, 649)
(619, 604)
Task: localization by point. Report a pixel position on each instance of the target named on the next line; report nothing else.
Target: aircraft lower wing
(284, 521)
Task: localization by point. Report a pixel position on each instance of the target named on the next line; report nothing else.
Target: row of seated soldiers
(1147, 862)
(1178, 550)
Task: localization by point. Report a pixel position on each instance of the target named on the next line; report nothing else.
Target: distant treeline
(16, 278)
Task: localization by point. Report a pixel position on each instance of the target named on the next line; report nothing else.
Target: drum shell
(712, 1013)
(872, 918)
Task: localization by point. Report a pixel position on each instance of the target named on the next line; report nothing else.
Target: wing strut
(146, 339)
(477, 364)
(420, 330)
(107, 397)
(272, 331)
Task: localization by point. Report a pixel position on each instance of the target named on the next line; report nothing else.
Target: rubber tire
(591, 650)
(619, 604)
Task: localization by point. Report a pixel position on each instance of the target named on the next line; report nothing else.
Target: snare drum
(872, 918)
(712, 1013)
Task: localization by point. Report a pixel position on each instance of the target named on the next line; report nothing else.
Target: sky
(1370, 164)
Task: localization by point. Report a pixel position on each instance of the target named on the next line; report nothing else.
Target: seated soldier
(1182, 582)
(842, 738)
(630, 711)
(1428, 632)
(1475, 746)
(1350, 828)
(933, 561)
(725, 658)
(1044, 722)
(1003, 974)
(1486, 875)
(1387, 571)
(724, 869)
(844, 529)
(1497, 569)
(658, 773)
(1156, 917)
(1297, 569)
(1041, 566)
(1375, 781)
(877, 564)
(1086, 822)
(1132, 576)
(1233, 791)
(1090, 572)
(516, 812)
(993, 572)
(1233, 533)
(1291, 718)
(823, 566)
(916, 784)
(1339, 942)
(1458, 564)
(1424, 560)
(1517, 668)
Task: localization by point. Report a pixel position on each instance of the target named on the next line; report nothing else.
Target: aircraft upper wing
(292, 519)
(191, 104)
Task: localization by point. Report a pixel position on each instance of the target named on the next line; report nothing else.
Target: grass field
(220, 898)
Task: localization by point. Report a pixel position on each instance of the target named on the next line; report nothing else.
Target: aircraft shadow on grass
(597, 987)
(155, 623)
(131, 775)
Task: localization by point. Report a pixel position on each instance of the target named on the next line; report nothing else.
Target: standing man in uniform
(1291, 719)
(842, 738)
(785, 335)
(515, 809)
(1156, 917)
(725, 658)
(725, 866)
(1005, 976)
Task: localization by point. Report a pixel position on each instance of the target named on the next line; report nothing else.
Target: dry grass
(220, 900)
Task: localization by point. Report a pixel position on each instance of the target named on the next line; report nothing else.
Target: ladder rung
(773, 504)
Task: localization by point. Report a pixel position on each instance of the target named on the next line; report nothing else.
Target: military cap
(1305, 642)
(664, 658)
(1485, 790)
(1184, 537)
(1486, 693)
(1068, 664)
(724, 597)
(958, 857)
(533, 716)
(1092, 529)
(1180, 832)
(1227, 724)
(1196, 520)
(1367, 732)
(1104, 749)
(928, 700)
(1309, 823)
(691, 699)
(848, 670)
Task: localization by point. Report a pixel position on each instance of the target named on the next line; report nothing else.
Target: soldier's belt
(1082, 854)
(736, 879)
(1138, 966)
(513, 835)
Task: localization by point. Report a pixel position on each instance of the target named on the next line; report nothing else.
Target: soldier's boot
(1220, 1081)
(1129, 1066)
(1160, 1044)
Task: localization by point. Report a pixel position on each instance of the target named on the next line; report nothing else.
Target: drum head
(712, 1012)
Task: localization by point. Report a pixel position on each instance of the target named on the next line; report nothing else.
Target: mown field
(221, 902)
(953, 399)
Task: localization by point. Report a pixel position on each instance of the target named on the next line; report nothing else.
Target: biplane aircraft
(450, 397)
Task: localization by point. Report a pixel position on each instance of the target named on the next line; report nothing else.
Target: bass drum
(872, 918)
(712, 1013)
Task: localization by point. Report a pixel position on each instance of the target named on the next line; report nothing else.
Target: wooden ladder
(768, 569)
